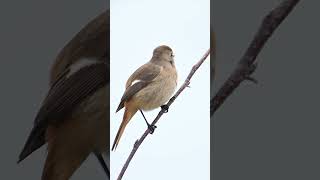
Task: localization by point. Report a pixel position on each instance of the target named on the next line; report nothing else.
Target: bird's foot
(165, 108)
(151, 128)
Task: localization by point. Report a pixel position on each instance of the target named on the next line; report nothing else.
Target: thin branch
(147, 132)
(247, 64)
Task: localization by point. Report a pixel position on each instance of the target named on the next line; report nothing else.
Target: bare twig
(147, 132)
(247, 63)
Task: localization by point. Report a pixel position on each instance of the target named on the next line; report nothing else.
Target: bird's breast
(156, 93)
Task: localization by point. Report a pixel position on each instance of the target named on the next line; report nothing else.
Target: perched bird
(149, 87)
(74, 116)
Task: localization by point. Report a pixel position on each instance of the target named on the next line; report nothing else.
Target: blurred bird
(74, 116)
(149, 87)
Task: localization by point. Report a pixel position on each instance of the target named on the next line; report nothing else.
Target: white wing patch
(80, 64)
(135, 81)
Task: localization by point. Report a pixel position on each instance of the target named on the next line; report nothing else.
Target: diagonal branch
(247, 63)
(147, 132)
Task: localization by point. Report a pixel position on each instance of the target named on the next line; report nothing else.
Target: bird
(148, 88)
(74, 117)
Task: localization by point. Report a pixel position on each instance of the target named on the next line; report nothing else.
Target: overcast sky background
(180, 146)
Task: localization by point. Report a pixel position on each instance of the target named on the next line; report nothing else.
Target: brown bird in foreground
(149, 87)
(74, 116)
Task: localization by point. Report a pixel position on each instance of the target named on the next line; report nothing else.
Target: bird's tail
(64, 157)
(128, 114)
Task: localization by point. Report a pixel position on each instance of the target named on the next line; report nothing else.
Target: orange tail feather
(128, 114)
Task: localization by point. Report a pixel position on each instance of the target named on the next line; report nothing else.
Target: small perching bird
(149, 87)
(74, 116)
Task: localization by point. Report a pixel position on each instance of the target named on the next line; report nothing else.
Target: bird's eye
(172, 55)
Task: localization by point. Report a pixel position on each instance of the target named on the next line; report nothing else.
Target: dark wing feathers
(132, 90)
(147, 72)
(63, 96)
(144, 75)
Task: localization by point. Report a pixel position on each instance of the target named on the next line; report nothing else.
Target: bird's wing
(68, 91)
(92, 41)
(138, 80)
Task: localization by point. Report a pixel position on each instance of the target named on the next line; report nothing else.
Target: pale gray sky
(180, 146)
